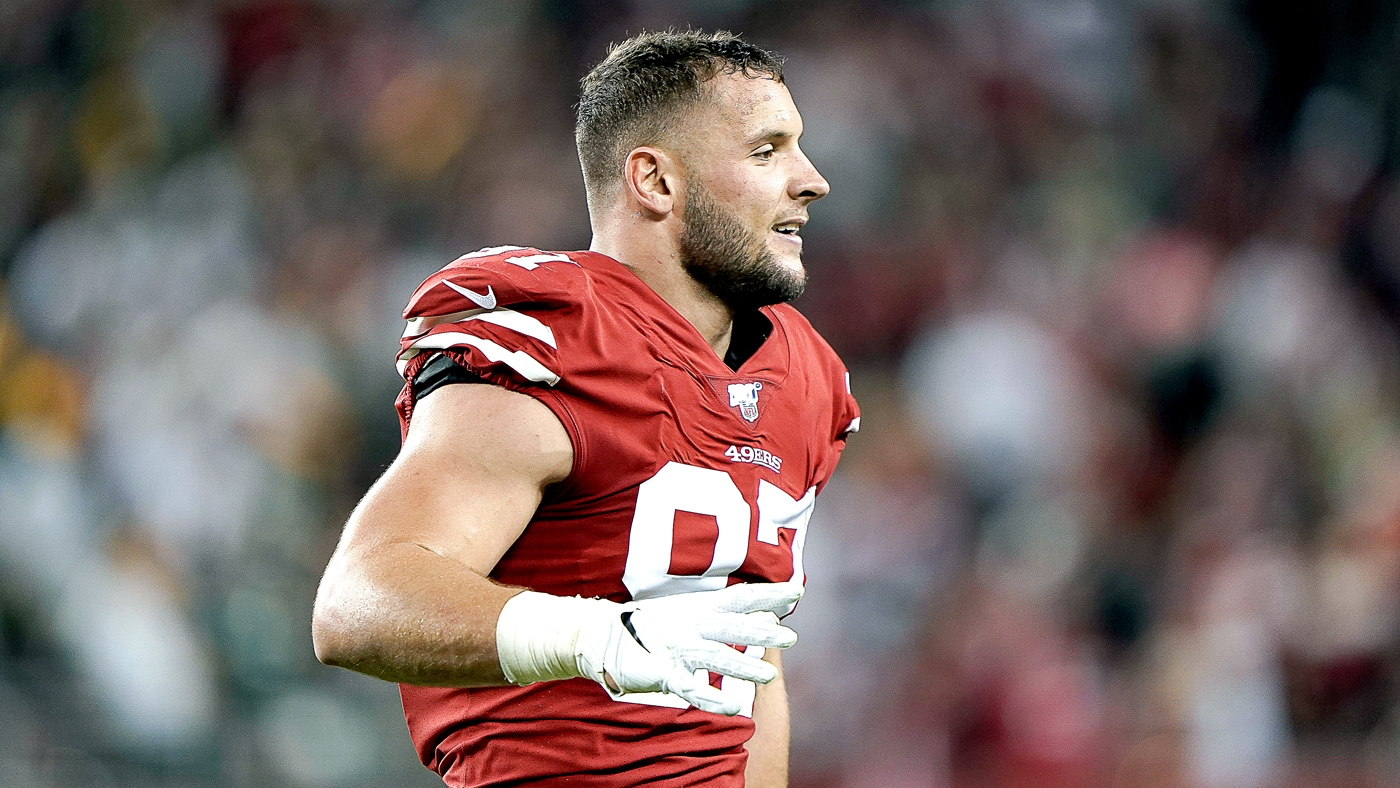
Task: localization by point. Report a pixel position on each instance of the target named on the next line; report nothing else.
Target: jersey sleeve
(501, 313)
(847, 409)
(835, 389)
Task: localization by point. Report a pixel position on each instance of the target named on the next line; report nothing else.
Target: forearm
(768, 749)
(406, 614)
(406, 596)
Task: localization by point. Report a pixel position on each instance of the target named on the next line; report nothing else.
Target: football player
(576, 566)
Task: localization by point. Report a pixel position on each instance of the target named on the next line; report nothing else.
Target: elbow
(326, 638)
(332, 633)
(325, 641)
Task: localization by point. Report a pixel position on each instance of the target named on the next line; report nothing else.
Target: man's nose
(809, 184)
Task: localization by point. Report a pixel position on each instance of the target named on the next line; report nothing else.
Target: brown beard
(729, 260)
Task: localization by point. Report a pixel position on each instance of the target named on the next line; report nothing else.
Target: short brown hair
(644, 85)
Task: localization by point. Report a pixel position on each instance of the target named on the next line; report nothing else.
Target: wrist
(537, 635)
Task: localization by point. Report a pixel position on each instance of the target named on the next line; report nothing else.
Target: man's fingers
(726, 661)
(683, 682)
(665, 642)
(697, 692)
(747, 629)
(754, 597)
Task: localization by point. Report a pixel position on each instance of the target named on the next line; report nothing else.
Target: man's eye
(765, 153)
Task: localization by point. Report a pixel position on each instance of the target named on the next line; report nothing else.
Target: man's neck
(664, 273)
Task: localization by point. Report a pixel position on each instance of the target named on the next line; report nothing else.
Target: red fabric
(570, 733)
(637, 388)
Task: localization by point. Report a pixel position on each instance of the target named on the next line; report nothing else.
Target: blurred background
(1118, 283)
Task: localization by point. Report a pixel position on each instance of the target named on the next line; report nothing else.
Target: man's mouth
(790, 227)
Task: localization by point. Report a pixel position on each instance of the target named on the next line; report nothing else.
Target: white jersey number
(678, 487)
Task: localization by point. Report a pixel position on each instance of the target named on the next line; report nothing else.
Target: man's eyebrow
(771, 134)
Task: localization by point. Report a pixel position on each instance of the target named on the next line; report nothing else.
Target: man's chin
(796, 279)
(788, 259)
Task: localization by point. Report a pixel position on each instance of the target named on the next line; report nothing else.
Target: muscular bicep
(469, 477)
(406, 597)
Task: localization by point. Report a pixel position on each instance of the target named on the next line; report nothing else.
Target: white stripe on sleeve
(518, 322)
(518, 360)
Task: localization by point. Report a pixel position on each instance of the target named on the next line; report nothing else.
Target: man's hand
(651, 645)
(663, 642)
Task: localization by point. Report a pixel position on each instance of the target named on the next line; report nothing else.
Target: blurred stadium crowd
(1119, 284)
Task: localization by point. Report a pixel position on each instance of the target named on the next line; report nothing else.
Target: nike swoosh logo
(487, 301)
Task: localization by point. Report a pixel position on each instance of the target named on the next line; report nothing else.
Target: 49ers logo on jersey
(746, 399)
(744, 396)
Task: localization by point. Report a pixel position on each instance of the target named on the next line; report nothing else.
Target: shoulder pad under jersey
(498, 309)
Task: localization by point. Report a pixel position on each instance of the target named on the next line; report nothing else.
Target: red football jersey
(687, 476)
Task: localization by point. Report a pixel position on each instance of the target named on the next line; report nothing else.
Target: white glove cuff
(537, 633)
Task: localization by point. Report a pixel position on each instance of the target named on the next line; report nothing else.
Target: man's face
(748, 185)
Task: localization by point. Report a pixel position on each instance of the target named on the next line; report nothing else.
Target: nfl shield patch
(744, 396)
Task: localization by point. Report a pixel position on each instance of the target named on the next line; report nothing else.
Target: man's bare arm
(406, 595)
(768, 749)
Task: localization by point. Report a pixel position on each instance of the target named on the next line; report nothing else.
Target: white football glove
(651, 645)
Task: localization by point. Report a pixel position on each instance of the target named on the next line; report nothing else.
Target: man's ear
(652, 179)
